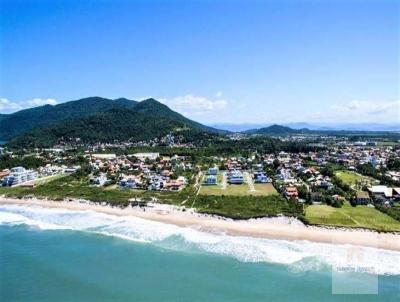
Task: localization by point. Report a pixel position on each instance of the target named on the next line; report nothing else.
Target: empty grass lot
(351, 178)
(348, 178)
(348, 216)
(264, 189)
(237, 190)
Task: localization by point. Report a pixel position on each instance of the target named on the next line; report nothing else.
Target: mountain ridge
(22, 121)
(143, 120)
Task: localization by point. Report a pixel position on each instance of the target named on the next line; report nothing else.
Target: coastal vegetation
(245, 207)
(237, 207)
(77, 187)
(240, 206)
(393, 212)
(349, 216)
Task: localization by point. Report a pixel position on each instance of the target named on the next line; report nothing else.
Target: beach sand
(273, 228)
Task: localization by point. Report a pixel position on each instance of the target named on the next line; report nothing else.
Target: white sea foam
(299, 255)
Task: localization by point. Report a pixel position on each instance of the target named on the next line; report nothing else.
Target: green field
(44, 180)
(264, 189)
(388, 143)
(348, 216)
(237, 190)
(351, 178)
(244, 207)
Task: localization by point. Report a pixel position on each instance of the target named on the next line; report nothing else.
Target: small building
(104, 156)
(4, 173)
(100, 180)
(213, 171)
(147, 155)
(258, 167)
(210, 180)
(260, 177)
(175, 185)
(128, 182)
(72, 170)
(396, 193)
(362, 198)
(381, 191)
(166, 173)
(236, 177)
(291, 192)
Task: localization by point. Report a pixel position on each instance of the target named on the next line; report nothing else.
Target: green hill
(145, 120)
(13, 125)
(273, 130)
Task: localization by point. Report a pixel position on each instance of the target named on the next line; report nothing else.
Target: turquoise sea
(61, 255)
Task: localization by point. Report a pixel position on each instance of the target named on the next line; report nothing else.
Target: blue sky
(214, 61)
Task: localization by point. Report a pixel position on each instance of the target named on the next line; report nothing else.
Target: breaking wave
(298, 255)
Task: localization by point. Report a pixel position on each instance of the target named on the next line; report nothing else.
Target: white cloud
(7, 106)
(40, 102)
(368, 107)
(365, 110)
(197, 107)
(191, 101)
(357, 112)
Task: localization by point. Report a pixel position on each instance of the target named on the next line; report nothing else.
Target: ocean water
(63, 255)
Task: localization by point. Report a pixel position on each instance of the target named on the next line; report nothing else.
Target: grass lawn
(264, 189)
(348, 216)
(237, 190)
(388, 143)
(44, 180)
(244, 207)
(351, 178)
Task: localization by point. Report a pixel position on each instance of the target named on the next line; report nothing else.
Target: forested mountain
(20, 122)
(145, 120)
(274, 130)
(278, 130)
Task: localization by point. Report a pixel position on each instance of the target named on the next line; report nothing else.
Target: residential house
(291, 192)
(235, 177)
(260, 177)
(210, 180)
(362, 198)
(213, 171)
(381, 192)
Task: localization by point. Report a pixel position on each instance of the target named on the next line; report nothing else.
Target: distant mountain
(142, 121)
(347, 126)
(12, 125)
(239, 127)
(314, 126)
(273, 130)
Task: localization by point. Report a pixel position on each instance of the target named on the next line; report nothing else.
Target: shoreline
(279, 228)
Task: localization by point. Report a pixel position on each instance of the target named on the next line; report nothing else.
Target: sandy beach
(273, 228)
